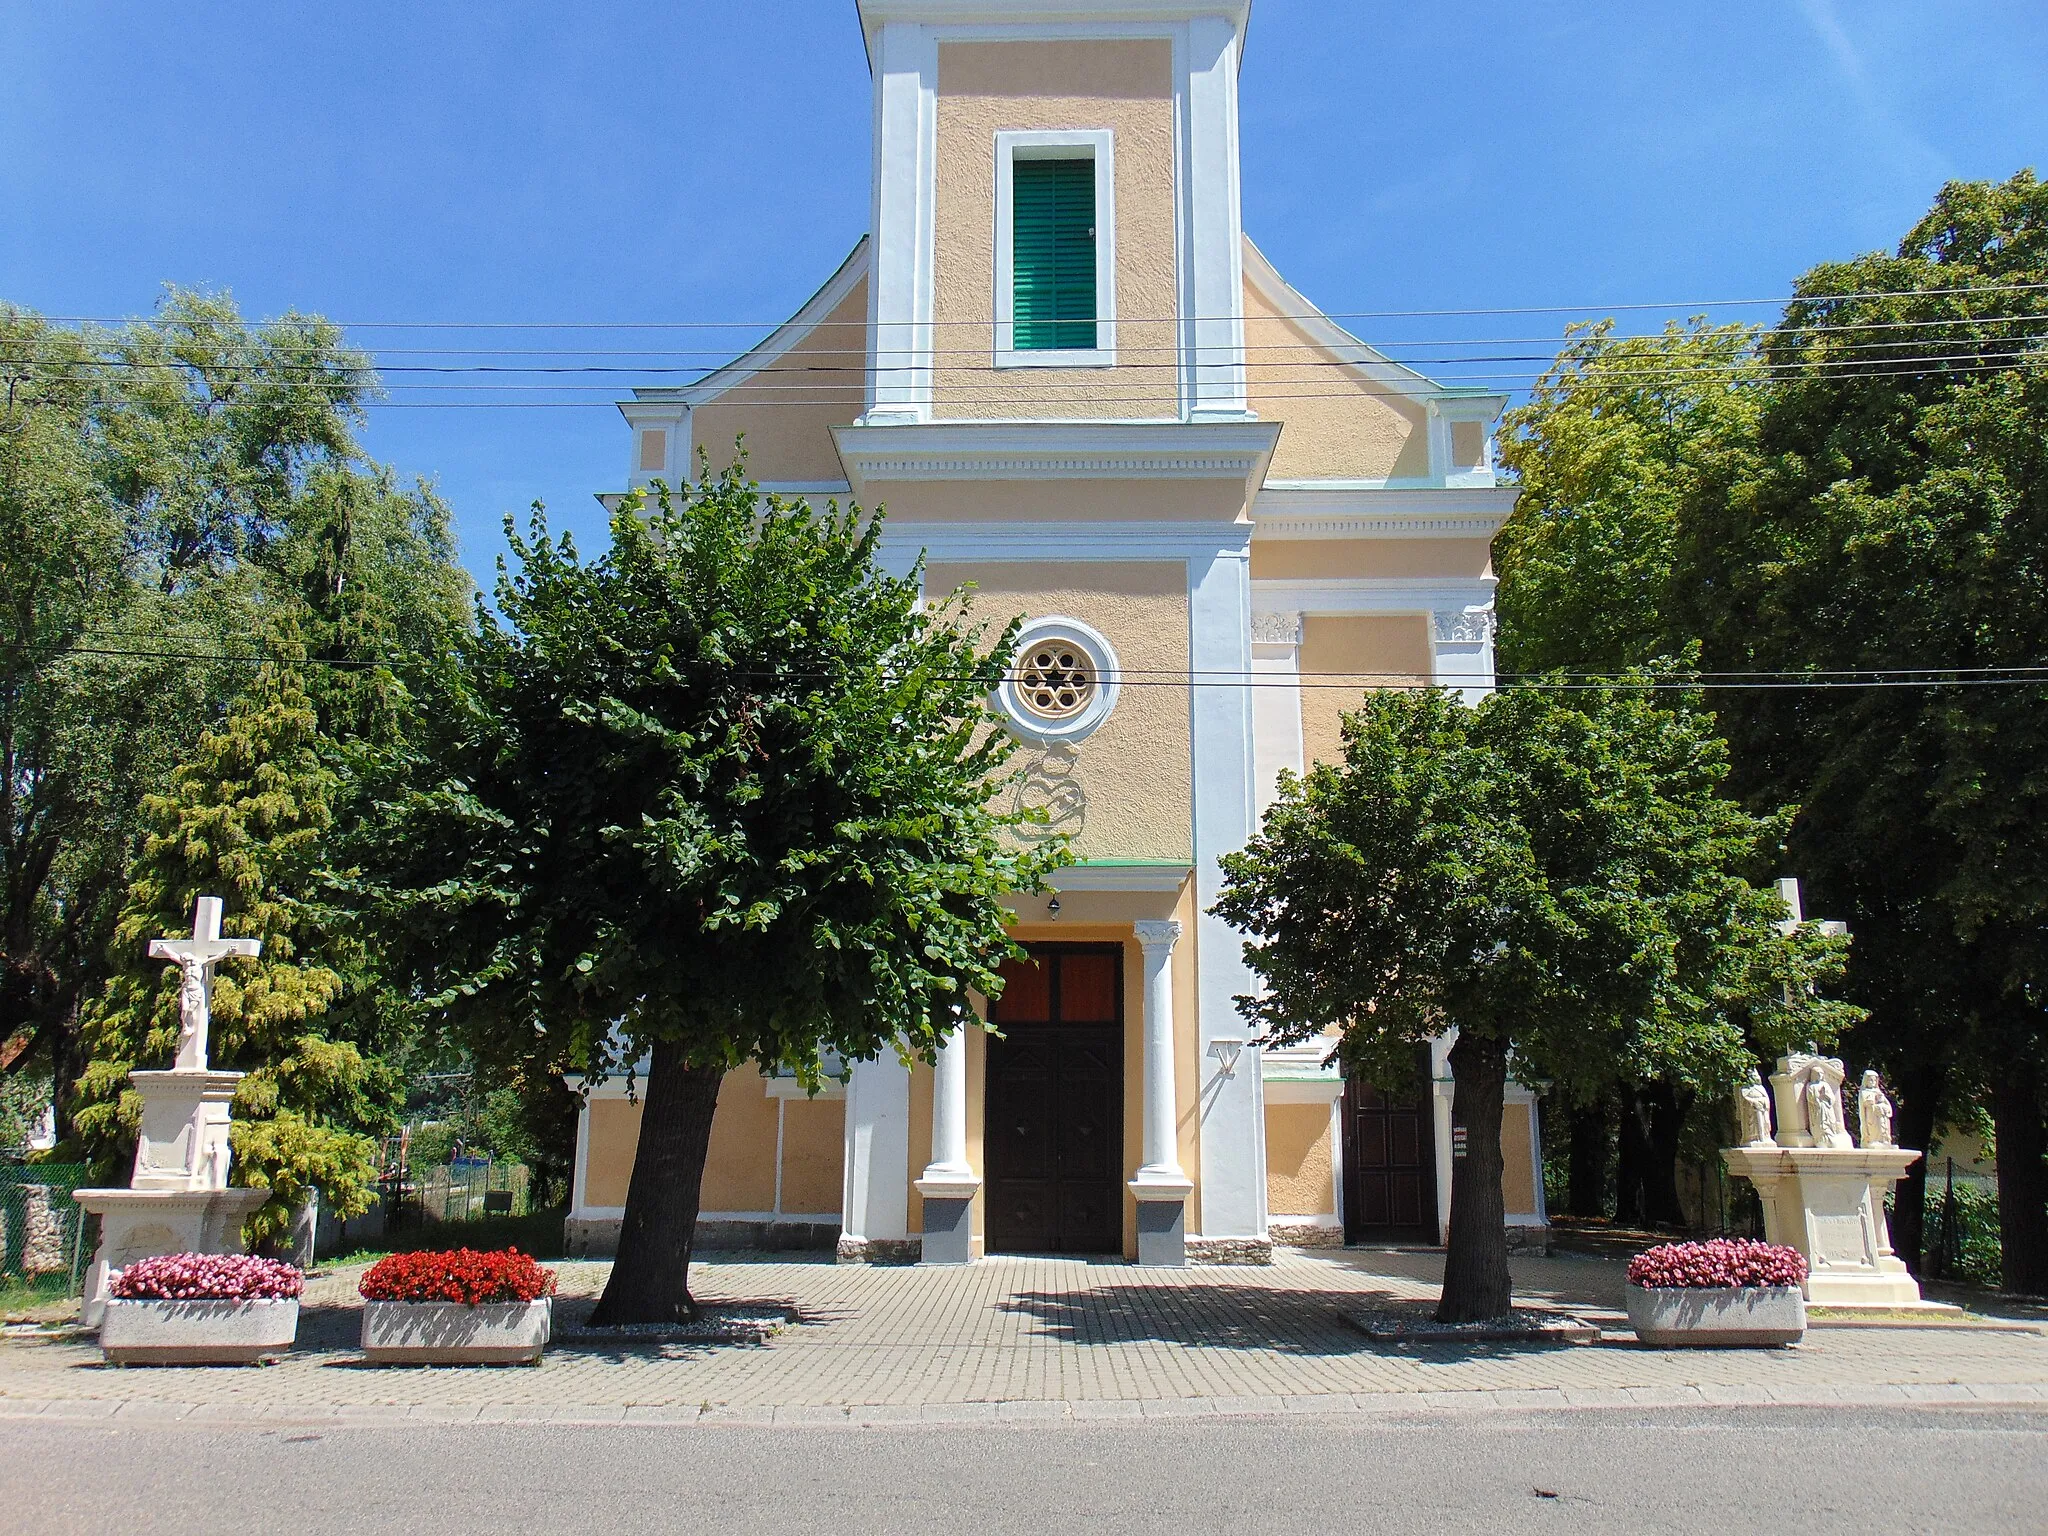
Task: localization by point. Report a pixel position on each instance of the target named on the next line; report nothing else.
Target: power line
(302, 321)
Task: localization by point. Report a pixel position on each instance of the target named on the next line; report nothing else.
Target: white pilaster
(1276, 701)
(1212, 255)
(1233, 1103)
(1160, 1175)
(876, 1200)
(1461, 643)
(906, 71)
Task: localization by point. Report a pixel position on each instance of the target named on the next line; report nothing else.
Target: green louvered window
(1053, 307)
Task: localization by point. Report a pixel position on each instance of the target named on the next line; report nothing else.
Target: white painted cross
(196, 958)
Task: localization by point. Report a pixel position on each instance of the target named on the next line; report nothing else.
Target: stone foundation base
(1230, 1250)
(1304, 1234)
(1534, 1241)
(597, 1237)
(880, 1250)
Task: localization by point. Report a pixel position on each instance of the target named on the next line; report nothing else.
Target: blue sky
(641, 161)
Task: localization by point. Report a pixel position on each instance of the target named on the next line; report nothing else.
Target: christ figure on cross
(196, 958)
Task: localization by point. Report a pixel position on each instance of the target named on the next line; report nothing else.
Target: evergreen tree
(246, 818)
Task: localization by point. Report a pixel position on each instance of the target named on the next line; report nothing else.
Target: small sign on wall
(1457, 1141)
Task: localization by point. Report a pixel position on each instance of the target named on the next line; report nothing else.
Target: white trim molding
(1089, 876)
(1013, 145)
(1307, 510)
(1375, 594)
(1122, 450)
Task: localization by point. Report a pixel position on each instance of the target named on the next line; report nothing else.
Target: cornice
(1170, 450)
(1306, 512)
(876, 14)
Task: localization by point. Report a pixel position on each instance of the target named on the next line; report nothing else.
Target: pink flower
(1716, 1264)
(208, 1277)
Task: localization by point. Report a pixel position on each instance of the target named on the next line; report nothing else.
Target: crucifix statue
(196, 958)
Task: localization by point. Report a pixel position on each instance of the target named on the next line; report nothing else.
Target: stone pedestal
(1828, 1202)
(142, 1223)
(183, 1144)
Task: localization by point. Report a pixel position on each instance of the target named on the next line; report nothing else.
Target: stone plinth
(142, 1223)
(183, 1143)
(1828, 1202)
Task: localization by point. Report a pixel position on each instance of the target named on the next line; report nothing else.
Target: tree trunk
(2022, 1177)
(1919, 1094)
(1476, 1285)
(1667, 1111)
(1631, 1159)
(1586, 1161)
(650, 1279)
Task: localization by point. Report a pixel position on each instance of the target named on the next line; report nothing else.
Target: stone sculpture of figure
(194, 1013)
(1824, 1113)
(1873, 1113)
(1753, 1111)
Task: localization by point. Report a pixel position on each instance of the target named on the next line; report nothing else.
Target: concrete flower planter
(1717, 1318)
(197, 1332)
(449, 1333)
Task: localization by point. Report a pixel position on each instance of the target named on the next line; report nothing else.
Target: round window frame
(1102, 662)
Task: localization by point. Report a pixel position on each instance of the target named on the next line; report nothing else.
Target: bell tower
(1056, 223)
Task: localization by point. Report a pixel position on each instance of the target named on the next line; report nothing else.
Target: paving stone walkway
(1052, 1338)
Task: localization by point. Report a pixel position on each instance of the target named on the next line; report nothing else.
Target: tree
(1606, 450)
(1558, 878)
(245, 819)
(719, 796)
(1890, 524)
(166, 492)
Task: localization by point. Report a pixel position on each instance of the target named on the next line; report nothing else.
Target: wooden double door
(1053, 1132)
(1390, 1162)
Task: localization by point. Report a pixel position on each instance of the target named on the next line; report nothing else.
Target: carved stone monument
(178, 1200)
(1821, 1193)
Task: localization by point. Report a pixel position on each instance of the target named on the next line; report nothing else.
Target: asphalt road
(1723, 1471)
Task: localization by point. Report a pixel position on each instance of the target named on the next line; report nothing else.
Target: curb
(1020, 1411)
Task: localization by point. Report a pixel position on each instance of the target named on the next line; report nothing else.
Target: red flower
(1720, 1263)
(463, 1276)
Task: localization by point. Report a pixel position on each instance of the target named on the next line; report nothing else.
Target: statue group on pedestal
(1809, 1089)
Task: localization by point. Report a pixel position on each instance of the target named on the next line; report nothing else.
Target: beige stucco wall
(1125, 86)
(1517, 1171)
(787, 412)
(1355, 653)
(1131, 779)
(739, 1168)
(1300, 1172)
(1329, 559)
(1056, 500)
(813, 1156)
(1339, 425)
(614, 1133)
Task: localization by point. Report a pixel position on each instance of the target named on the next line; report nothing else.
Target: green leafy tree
(167, 491)
(1604, 453)
(1560, 880)
(1892, 520)
(722, 795)
(245, 819)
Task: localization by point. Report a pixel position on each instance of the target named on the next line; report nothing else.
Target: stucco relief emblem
(1049, 785)
(1469, 626)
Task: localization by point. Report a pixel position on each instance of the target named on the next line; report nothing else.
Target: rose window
(1055, 680)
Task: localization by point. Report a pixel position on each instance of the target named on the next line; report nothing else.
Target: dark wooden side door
(1389, 1163)
(1053, 1134)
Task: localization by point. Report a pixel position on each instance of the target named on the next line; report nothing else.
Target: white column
(900, 269)
(1160, 1175)
(1212, 284)
(949, 1119)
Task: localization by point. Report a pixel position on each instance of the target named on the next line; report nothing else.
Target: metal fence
(467, 1192)
(43, 1236)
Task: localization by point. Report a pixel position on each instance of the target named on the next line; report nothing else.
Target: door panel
(1389, 1164)
(1054, 1129)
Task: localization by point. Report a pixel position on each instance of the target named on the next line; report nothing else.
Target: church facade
(1073, 382)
